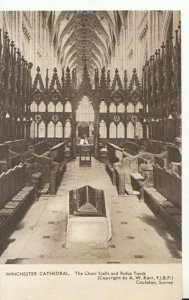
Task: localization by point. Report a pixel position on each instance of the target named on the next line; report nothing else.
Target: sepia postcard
(93, 164)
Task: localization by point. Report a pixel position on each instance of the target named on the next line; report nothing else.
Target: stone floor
(137, 235)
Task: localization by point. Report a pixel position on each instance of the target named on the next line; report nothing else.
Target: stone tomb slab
(88, 226)
(87, 232)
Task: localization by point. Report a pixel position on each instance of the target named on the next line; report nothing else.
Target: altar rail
(168, 184)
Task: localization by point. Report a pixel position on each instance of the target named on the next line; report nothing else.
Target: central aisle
(137, 235)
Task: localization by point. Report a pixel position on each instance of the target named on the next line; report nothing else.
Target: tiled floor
(137, 235)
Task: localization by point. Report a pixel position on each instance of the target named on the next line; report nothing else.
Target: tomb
(87, 201)
(88, 224)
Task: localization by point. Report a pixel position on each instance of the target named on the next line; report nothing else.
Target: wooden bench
(163, 208)
(114, 154)
(15, 199)
(52, 166)
(164, 198)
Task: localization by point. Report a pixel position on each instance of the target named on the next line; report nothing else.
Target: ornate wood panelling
(15, 91)
(162, 91)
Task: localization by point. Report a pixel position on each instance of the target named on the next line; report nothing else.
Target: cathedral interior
(90, 137)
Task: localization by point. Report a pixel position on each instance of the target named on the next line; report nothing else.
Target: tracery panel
(112, 130)
(51, 130)
(103, 129)
(120, 130)
(103, 107)
(59, 130)
(41, 129)
(67, 129)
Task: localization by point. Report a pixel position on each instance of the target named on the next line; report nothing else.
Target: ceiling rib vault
(85, 38)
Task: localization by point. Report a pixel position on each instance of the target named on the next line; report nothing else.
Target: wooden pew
(40, 147)
(52, 165)
(132, 147)
(154, 147)
(164, 198)
(4, 158)
(114, 154)
(128, 166)
(15, 199)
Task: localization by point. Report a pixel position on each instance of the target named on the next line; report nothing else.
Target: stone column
(96, 134)
(73, 135)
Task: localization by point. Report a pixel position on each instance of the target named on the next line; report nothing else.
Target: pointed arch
(112, 132)
(51, 130)
(139, 130)
(121, 108)
(59, 130)
(51, 107)
(42, 107)
(112, 108)
(103, 107)
(130, 131)
(138, 107)
(120, 130)
(103, 129)
(67, 129)
(68, 107)
(59, 107)
(41, 129)
(85, 111)
(130, 107)
(33, 107)
(33, 129)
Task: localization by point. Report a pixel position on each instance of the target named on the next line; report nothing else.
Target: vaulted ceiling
(85, 37)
